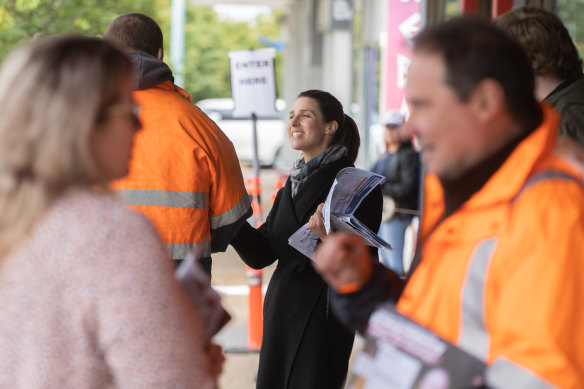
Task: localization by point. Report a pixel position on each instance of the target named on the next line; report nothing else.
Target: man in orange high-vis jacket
(184, 174)
(499, 265)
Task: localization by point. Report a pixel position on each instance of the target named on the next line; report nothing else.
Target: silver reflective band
(543, 176)
(474, 337)
(233, 215)
(505, 374)
(182, 250)
(164, 198)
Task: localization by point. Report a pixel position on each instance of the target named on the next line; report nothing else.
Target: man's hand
(316, 223)
(344, 262)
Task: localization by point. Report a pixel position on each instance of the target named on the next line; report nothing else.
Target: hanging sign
(253, 82)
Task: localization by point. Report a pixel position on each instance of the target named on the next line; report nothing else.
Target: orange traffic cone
(255, 308)
(254, 277)
(277, 186)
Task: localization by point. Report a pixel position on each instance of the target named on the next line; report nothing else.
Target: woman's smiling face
(307, 130)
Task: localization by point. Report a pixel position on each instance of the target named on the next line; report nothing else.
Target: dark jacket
(148, 70)
(403, 177)
(568, 100)
(304, 346)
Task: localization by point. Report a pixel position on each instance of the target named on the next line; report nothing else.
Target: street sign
(253, 83)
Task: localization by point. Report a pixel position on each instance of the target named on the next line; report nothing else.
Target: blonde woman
(87, 291)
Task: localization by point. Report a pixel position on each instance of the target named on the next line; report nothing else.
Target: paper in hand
(208, 302)
(350, 187)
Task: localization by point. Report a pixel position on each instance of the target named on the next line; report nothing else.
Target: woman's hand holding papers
(344, 262)
(316, 223)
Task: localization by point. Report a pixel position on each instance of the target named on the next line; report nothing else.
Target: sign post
(253, 86)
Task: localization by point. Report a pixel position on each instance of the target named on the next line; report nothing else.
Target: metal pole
(254, 277)
(256, 163)
(177, 40)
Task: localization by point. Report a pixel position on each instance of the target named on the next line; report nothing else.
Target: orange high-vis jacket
(503, 276)
(184, 174)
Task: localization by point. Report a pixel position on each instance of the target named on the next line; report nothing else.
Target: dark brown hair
(135, 32)
(473, 50)
(331, 109)
(546, 41)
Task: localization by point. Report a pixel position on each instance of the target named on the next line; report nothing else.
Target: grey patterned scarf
(300, 170)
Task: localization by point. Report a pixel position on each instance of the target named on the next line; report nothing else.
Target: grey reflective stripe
(474, 337)
(182, 250)
(506, 374)
(165, 198)
(543, 176)
(233, 215)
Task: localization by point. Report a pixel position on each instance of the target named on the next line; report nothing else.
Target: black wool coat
(403, 177)
(304, 346)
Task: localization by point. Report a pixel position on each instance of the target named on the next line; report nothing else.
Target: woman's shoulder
(91, 235)
(95, 206)
(98, 215)
(83, 224)
(336, 166)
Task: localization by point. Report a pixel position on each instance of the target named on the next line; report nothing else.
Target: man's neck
(544, 86)
(458, 190)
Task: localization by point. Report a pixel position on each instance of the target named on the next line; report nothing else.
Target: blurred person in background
(87, 290)
(304, 346)
(400, 165)
(556, 63)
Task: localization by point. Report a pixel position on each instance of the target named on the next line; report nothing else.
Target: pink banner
(403, 23)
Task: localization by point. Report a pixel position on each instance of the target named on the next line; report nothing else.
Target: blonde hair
(52, 94)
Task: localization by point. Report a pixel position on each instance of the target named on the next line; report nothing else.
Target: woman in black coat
(304, 346)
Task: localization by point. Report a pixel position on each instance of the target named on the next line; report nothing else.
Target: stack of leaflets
(401, 354)
(197, 284)
(350, 187)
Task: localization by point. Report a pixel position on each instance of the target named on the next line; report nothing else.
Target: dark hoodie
(148, 70)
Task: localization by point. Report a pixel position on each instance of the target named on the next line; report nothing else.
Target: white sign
(253, 83)
(403, 64)
(411, 26)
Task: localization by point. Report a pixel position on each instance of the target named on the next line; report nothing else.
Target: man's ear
(160, 54)
(488, 99)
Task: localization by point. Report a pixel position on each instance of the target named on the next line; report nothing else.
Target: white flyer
(350, 187)
(401, 354)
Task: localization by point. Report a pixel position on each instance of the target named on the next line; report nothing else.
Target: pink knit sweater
(89, 301)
